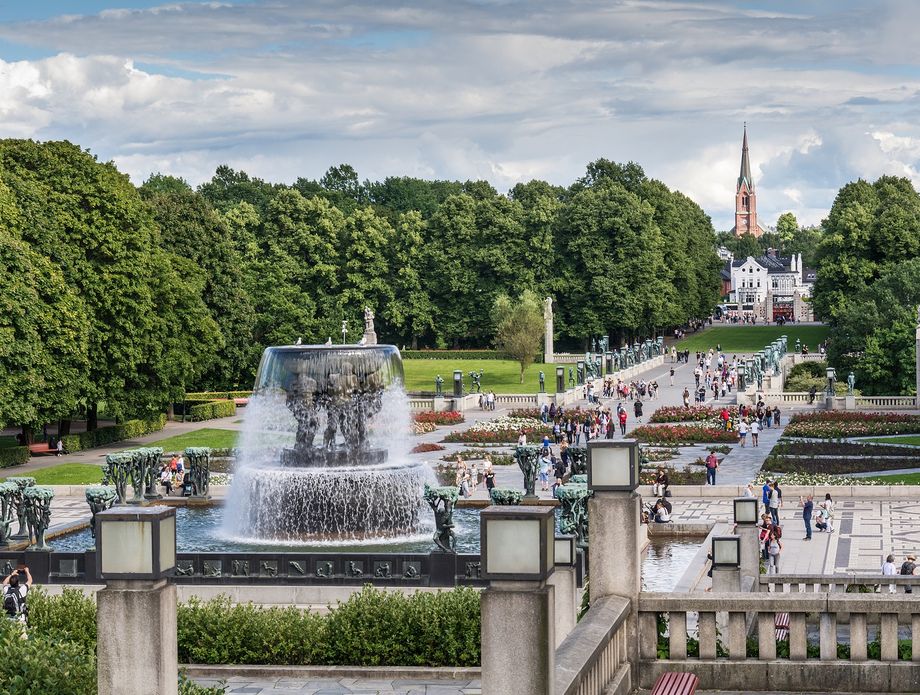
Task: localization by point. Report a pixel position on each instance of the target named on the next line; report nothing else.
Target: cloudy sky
(504, 90)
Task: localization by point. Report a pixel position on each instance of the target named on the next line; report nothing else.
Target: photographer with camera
(14, 593)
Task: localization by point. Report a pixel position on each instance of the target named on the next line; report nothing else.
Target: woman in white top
(522, 439)
(828, 505)
(889, 569)
(743, 430)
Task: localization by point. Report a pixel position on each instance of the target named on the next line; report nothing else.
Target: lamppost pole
(344, 329)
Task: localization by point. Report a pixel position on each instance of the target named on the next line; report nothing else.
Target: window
(745, 202)
(775, 283)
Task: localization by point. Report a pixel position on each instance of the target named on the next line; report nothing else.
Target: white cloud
(502, 91)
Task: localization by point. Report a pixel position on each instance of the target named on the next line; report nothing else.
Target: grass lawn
(501, 376)
(68, 474)
(905, 478)
(750, 339)
(912, 439)
(207, 436)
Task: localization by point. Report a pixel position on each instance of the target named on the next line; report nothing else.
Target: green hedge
(372, 628)
(211, 410)
(114, 433)
(13, 456)
(217, 395)
(459, 355)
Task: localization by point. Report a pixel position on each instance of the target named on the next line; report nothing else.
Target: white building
(770, 287)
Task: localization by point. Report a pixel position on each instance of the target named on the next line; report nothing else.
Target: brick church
(746, 196)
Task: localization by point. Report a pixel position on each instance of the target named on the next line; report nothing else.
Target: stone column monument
(370, 336)
(548, 336)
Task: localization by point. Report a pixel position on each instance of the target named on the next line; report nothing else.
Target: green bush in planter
(113, 433)
(44, 664)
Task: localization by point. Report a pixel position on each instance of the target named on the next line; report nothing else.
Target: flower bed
(683, 476)
(694, 413)
(822, 479)
(836, 425)
(468, 454)
(837, 448)
(653, 455)
(503, 429)
(681, 434)
(423, 427)
(426, 447)
(448, 417)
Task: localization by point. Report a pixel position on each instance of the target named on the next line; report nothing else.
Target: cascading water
(315, 451)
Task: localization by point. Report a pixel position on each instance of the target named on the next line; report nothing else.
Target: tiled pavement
(342, 686)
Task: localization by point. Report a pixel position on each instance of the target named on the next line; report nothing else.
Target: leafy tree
(229, 187)
(364, 278)
(519, 327)
(396, 195)
(786, 227)
(411, 310)
(192, 229)
(43, 333)
(89, 221)
(874, 334)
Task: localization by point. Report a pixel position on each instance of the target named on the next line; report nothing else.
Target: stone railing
(791, 664)
(593, 658)
(906, 402)
(421, 403)
(524, 399)
(837, 583)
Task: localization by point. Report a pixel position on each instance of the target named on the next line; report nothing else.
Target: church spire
(745, 175)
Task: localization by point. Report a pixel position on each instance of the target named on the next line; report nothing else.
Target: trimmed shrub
(425, 448)
(842, 424)
(459, 355)
(113, 433)
(217, 395)
(44, 664)
(211, 410)
(14, 456)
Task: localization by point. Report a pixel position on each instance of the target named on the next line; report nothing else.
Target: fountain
(315, 462)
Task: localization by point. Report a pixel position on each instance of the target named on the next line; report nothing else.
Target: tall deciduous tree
(519, 327)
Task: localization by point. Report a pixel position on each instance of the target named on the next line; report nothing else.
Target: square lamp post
(726, 552)
(726, 564)
(517, 610)
(831, 379)
(613, 466)
(136, 543)
(458, 383)
(136, 555)
(746, 510)
(747, 514)
(518, 542)
(560, 379)
(580, 369)
(564, 551)
(741, 383)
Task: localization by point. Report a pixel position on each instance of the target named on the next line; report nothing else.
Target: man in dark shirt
(807, 507)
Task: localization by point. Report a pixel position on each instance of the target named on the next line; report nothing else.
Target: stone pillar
(726, 580)
(564, 587)
(750, 553)
(518, 642)
(548, 355)
(615, 560)
(136, 648)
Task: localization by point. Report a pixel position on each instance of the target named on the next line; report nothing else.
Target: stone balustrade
(888, 402)
(837, 583)
(593, 658)
(734, 661)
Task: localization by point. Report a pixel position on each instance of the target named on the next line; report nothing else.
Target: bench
(781, 623)
(675, 683)
(35, 449)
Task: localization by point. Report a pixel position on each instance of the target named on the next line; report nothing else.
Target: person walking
(742, 431)
(908, 568)
(774, 548)
(755, 432)
(889, 570)
(712, 463)
(775, 502)
(622, 417)
(828, 505)
(686, 397)
(808, 506)
(672, 376)
(637, 407)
